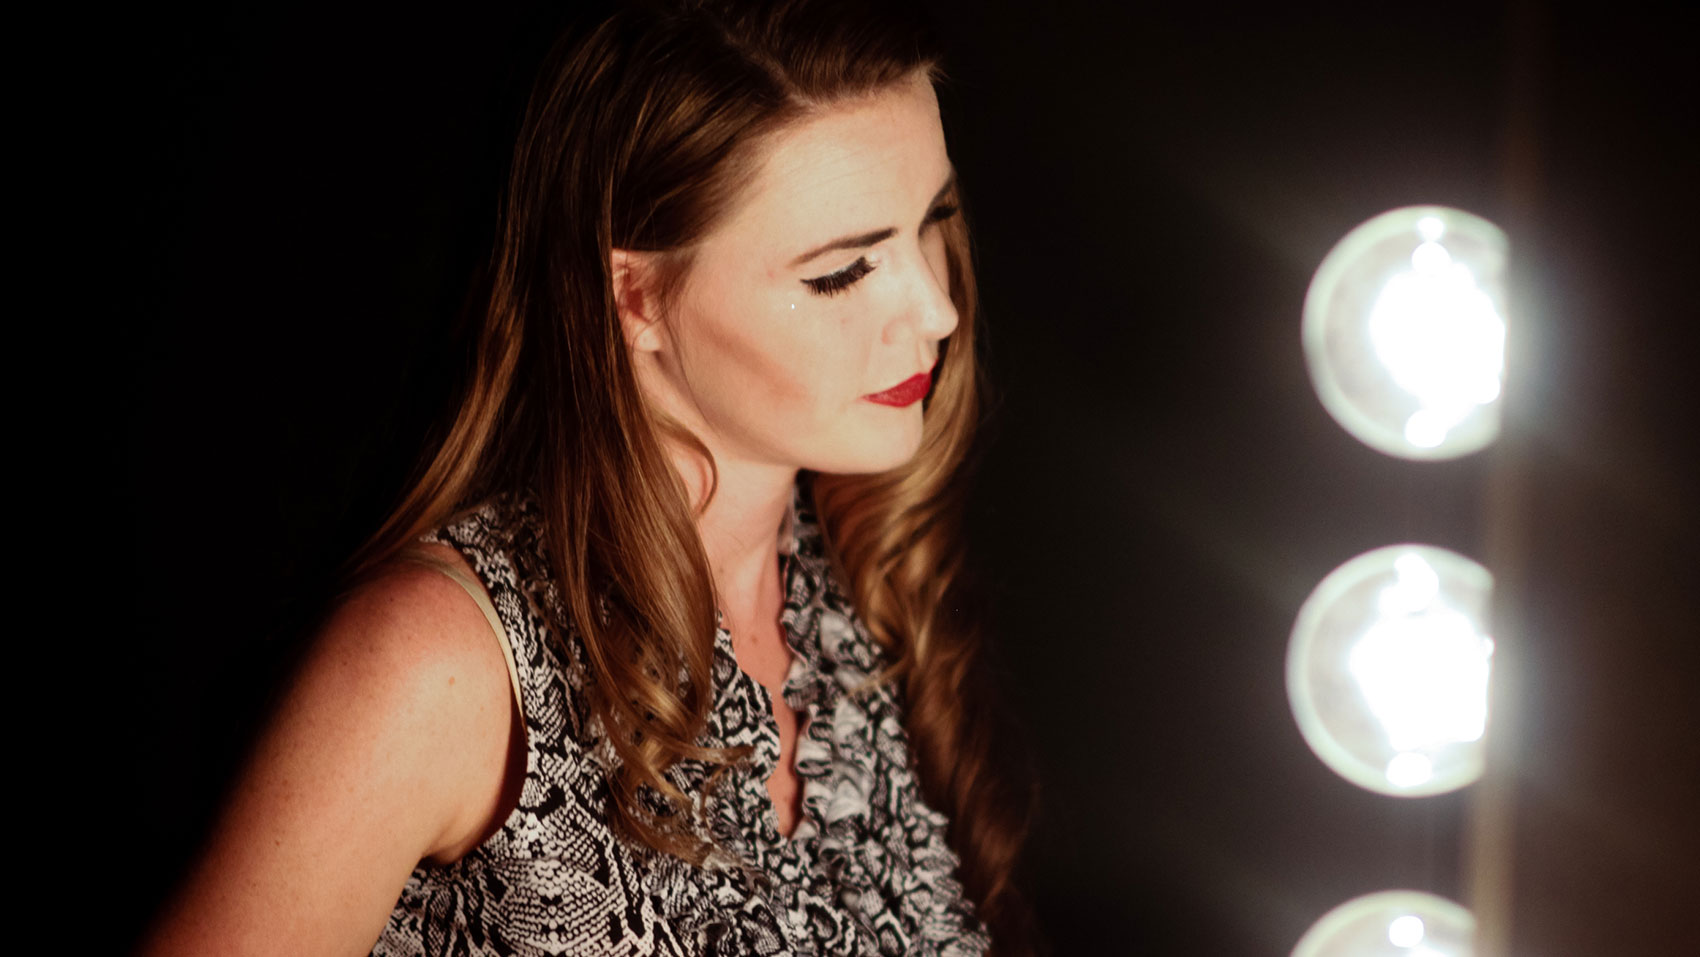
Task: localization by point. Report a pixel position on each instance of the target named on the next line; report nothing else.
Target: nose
(927, 311)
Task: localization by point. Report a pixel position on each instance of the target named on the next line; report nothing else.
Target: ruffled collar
(867, 868)
(828, 687)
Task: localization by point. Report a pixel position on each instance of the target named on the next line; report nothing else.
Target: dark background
(1150, 190)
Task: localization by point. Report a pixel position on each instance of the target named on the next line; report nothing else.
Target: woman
(660, 652)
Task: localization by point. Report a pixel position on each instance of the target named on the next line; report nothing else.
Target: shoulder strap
(479, 595)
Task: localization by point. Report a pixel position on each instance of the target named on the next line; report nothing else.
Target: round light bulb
(1391, 924)
(1387, 670)
(1404, 332)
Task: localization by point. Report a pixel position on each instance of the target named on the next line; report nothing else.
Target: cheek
(782, 364)
(827, 357)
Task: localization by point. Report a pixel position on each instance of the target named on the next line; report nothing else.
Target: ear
(634, 298)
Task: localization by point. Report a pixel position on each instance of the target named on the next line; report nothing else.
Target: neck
(740, 528)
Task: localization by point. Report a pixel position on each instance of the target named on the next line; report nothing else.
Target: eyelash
(835, 283)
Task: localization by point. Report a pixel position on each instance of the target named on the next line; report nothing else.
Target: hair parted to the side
(639, 133)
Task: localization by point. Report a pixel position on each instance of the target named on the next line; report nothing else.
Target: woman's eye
(840, 280)
(843, 279)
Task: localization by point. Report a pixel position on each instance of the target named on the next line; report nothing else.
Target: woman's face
(823, 287)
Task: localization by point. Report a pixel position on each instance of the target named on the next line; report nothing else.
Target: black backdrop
(1150, 192)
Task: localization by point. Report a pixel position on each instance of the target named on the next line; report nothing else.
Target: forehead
(859, 165)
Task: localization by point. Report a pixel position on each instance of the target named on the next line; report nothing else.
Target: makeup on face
(905, 393)
(780, 326)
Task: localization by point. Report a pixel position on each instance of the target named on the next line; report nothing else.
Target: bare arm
(391, 746)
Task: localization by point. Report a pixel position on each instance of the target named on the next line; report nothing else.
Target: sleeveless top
(866, 871)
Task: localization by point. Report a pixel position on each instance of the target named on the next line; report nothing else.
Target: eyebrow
(864, 240)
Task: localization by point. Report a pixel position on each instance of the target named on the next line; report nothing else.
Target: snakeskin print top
(866, 871)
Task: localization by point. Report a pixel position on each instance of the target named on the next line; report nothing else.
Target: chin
(871, 453)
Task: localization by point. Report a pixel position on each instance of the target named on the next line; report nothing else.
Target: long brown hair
(639, 133)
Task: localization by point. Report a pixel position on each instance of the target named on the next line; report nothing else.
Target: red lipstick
(907, 392)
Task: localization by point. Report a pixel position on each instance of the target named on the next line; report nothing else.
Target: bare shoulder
(409, 626)
(415, 646)
(391, 745)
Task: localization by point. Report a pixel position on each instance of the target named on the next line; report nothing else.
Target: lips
(907, 392)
